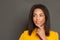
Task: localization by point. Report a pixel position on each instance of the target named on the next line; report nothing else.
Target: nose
(37, 18)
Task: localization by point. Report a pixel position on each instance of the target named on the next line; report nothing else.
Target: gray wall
(14, 16)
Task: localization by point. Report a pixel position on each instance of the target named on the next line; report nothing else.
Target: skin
(39, 20)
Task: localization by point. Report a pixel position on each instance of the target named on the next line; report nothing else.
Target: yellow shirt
(25, 36)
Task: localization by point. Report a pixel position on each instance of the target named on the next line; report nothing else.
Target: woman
(39, 25)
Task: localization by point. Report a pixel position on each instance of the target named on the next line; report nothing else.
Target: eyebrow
(36, 14)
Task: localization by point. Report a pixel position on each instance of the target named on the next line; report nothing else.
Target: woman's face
(38, 17)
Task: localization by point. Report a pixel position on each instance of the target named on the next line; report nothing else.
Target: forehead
(38, 10)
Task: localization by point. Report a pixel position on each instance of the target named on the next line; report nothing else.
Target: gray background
(14, 16)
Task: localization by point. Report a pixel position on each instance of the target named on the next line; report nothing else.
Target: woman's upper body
(25, 36)
(39, 18)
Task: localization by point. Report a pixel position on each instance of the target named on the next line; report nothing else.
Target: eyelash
(41, 15)
(35, 15)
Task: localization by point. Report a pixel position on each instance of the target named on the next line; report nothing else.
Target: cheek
(42, 20)
(34, 19)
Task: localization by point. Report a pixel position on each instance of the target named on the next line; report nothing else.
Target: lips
(38, 22)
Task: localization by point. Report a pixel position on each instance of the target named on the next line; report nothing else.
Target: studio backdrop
(14, 16)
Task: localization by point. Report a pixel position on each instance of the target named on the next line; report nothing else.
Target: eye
(34, 15)
(41, 15)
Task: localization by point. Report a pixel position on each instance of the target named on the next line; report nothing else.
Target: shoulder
(25, 32)
(53, 33)
(23, 35)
